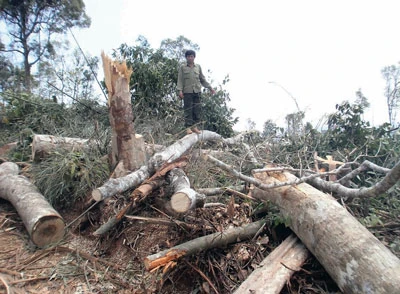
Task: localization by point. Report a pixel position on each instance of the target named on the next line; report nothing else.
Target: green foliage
(270, 129)
(346, 127)
(217, 115)
(153, 88)
(33, 25)
(44, 116)
(65, 178)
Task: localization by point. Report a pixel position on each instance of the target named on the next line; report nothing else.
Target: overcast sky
(315, 51)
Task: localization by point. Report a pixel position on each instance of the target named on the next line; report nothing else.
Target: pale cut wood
(220, 239)
(355, 259)
(276, 269)
(43, 223)
(119, 185)
(184, 197)
(43, 145)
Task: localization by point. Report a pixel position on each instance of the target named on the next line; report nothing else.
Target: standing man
(190, 80)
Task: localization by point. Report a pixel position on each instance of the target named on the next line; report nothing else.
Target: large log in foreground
(276, 269)
(44, 225)
(355, 259)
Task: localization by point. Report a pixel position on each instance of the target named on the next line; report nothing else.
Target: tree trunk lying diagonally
(44, 225)
(355, 259)
(218, 239)
(170, 154)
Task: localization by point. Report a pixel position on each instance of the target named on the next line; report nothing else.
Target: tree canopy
(32, 25)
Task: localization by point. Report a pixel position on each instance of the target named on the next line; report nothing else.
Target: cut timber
(276, 269)
(127, 147)
(170, 154)
(220, 239)
(42, 145)
(44, 225)
(140, 193)
(184, 198)
(355, 259)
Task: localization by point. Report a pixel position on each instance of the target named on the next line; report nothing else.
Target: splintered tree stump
(44, 225)
(127, 147)
(184, 198)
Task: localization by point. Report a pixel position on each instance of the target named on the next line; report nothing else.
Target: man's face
(190, 59)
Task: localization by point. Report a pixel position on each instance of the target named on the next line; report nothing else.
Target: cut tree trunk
(184, 197)
(170, 154)
(140, 193)
(220, 239)
(43, 145)
(44, 225)
(275, 270)
(355, 259)
(127, 147)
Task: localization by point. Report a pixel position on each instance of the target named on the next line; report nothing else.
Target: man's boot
(189, 131)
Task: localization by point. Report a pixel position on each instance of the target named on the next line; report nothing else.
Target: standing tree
(270, 129)
(32, 25)
(176, 48)
(294, 123)
(391, 74)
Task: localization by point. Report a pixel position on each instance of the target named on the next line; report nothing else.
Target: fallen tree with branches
(347, 252)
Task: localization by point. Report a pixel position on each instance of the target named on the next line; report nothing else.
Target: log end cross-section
(48, 230)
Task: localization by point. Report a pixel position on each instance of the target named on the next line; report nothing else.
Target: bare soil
(113, 263)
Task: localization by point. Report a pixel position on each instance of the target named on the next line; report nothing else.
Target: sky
(281, 56)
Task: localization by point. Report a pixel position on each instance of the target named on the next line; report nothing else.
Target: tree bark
(44, 225)
(43, 145)
(220, 239)
(355, 259)
(170, 154)
(276, 269)
(184, 197)
(127, 147)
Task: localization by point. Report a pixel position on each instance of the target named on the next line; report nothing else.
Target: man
(190, 80)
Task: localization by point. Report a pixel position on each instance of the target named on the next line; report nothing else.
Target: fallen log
(139, 194)
(44, 225)
(219, 239)
(276, 269)
(43, 145)
(355, 259)
(184, 197)
(119, 185)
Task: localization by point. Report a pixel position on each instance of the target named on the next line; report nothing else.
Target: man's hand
(212, 91)
(180, 94)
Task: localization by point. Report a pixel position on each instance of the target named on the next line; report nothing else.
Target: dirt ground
(83, 263)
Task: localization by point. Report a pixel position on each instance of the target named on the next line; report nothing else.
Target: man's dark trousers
(192, 108)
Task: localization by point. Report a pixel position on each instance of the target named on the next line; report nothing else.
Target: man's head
(189, 53)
